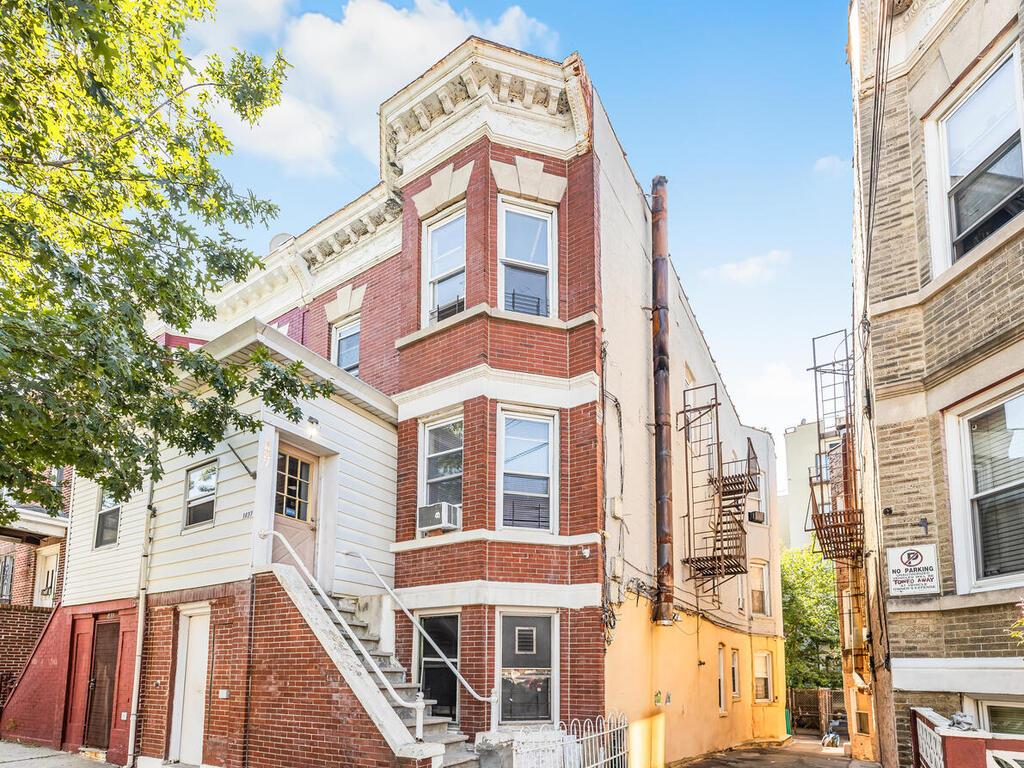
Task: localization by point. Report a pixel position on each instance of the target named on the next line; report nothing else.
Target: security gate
(599, 743)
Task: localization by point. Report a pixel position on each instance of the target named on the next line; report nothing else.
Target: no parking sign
(913, 570)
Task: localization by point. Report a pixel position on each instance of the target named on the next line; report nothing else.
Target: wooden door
(104, 674)
(295, 506)
(78, 682)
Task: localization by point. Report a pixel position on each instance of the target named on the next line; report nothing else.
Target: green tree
(811, 621)
(112, 212)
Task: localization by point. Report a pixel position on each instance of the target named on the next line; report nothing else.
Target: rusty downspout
(663, 611)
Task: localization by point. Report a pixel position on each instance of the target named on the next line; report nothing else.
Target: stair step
(461, 757)
(451, 739)
(433, 727)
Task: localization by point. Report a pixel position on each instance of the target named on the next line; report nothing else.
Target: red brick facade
(287, 703)
(20, 628)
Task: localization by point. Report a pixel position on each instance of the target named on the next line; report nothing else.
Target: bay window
(527, 255)
(442, 461)
(526, 495)
(445, 267)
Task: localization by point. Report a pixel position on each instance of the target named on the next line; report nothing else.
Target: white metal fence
(599, 743)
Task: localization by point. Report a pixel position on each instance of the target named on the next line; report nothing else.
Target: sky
(745, 107)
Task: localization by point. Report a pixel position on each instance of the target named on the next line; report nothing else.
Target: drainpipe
(140, 626)
(663, 610)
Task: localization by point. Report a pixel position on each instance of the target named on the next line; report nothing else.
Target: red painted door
(78, 682)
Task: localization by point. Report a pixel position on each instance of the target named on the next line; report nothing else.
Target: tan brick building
(938, 323)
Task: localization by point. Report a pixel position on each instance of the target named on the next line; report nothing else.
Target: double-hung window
(107, 520)
(527, 653)
(996, 488)
(1003, 717)
(445, 266)
(984, 174)
(443, 462)
(6, 579)
(527, 471)
(763, 676)
(527, 255)
(735, 676)
(201, 490)
(759, 604)
(346, 346)
(721, 680)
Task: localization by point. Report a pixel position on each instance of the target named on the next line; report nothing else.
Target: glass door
(437, 680)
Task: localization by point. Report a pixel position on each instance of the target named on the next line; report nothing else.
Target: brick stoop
(436, 730)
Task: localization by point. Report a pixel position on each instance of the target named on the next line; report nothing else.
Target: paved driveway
(799, 754)
(20, 756)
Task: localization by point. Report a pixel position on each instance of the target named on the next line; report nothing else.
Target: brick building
(939, 351)
(485, 464)
(31, 578)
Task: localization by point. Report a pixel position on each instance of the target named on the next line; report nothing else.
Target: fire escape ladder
(718, 495)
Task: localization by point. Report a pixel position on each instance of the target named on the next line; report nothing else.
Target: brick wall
(943, 703)
(581, 657)
(300, 710)
(20, 628)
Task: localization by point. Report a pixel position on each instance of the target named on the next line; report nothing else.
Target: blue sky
(744, 106)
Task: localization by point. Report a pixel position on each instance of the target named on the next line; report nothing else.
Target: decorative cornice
(479, 73)
(356, 222)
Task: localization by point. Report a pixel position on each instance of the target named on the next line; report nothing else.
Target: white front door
(295, 506)
(46, 576)
(190, 695)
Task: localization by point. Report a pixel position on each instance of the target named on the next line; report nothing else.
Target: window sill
(506, 535)
(486, 310)
(185, 529)
(979, 597)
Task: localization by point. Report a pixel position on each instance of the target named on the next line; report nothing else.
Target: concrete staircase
(438, 730)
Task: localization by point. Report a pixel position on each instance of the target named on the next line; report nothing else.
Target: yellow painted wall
(644, 659)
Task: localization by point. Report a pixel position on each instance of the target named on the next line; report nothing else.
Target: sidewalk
(20, 756)
(799, 753)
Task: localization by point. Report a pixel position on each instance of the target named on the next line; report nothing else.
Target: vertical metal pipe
(662, 403)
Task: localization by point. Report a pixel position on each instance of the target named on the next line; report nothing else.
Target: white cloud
(300, 135)
(755, 269)
(831, 164)
(238, 21)
(342, 69)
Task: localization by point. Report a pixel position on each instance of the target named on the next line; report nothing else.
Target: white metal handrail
(417, 705)
(492, 699)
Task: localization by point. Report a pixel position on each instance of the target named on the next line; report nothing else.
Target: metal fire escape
(719, 494)
(835, 515)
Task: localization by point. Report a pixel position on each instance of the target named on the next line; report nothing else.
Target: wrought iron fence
(599, 743)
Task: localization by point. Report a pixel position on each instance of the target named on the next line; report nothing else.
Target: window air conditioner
(441, 516)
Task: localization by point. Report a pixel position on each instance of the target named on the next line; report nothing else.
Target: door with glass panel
(436, 677)
(526, 668)
(295, 505)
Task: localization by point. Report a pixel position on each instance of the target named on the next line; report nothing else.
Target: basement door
(190, 686)
(101, 684)
(295, 506)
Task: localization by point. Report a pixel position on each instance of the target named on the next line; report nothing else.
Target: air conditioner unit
(756, 516)
(441, 516)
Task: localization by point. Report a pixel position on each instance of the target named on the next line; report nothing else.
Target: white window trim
(959, 471)
(771, 674)
(344, 328)
(937, 161)
(506, 203)
(736, 677)
(185, 527)
(100, 509)
(723, 698)
(553, 465)
(417, 641)
(766, 583)
(985, 722)
(445, 216)
(421, 471)
(556, 687)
